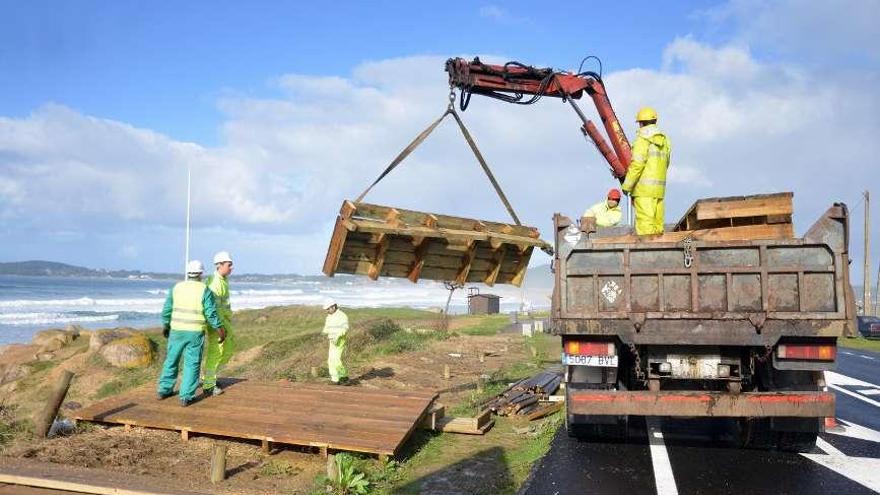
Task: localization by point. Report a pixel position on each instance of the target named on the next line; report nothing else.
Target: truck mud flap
(710, 404)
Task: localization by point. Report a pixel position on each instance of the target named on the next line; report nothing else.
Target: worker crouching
(189, 309)
(607, 213)
(218, 350)
(646, 177)
(335, 328)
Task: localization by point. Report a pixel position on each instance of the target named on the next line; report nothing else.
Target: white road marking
(847, 353)
(828, 448)
(835, 378)
(663, 475)
(866, 357)
(863, 470)
(857, 396)
(870, 391)
(850, 429)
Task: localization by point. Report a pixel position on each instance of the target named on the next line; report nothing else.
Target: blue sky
(163, 66)
(285, 109)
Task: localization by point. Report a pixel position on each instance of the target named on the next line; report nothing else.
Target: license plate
(578, 360)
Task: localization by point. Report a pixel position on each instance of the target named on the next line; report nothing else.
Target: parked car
(869, 327)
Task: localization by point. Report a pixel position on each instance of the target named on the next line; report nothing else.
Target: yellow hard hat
(646, 113)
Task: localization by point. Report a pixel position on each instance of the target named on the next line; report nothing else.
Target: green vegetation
(277, 467)
(488, 325)
(859, 343)
(11, 425)
(127, 379)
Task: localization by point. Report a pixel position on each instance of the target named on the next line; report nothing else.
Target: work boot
(187, 402)
(214, 391)
(163, 396)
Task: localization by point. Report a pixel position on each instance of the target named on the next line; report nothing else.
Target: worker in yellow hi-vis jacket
(646, 177)
(607, 213)
(335, 328)
(219, 353)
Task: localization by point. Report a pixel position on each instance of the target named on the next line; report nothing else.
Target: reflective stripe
(652, 182)
(654, 151)
(639, 158)
(187, 311)
(183, 319)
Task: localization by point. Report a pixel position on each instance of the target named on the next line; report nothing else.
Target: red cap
(614, 194)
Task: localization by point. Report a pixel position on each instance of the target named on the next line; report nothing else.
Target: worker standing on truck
(607, 213)
(335, 328)
(646, 178)
(189, 309)
(219, 352)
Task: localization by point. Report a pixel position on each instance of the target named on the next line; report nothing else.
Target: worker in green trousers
(189, 309)
(335, 328)
(219, 353)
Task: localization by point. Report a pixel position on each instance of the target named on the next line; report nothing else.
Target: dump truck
(727, 314)
(726, 321)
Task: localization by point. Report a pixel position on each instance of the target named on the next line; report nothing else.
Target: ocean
(30, 304)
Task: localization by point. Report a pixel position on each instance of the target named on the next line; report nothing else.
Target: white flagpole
(188, 203)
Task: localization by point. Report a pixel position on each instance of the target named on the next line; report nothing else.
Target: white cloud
(828, 33)
(738, 126)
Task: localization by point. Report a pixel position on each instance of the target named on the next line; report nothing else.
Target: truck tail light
(812, 352)
(590, 348)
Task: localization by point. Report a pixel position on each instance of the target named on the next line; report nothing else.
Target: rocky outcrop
(100, 338)
(53, 340)
(135, 351)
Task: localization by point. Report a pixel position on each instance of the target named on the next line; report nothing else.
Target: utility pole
(866, 302)
(188, 210)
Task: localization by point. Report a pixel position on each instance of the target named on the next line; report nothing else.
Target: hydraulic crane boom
(511, 81)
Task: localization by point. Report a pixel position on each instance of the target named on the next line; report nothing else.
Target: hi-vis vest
(605, 216)
(336, 325)
(220, 287)
(187, 314)
(646, 176)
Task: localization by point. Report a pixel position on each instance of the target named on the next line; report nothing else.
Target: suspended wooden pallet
(738, 211)
(381, 241)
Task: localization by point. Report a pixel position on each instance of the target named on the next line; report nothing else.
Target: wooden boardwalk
(330, 417)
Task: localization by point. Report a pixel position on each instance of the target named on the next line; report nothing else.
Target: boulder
(12, 371)
(135, 351)
(100, 338)
(52, 340)
(44, 356)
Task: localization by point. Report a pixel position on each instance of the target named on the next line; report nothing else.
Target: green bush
(383, 329)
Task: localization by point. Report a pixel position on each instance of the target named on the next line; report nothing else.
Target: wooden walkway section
(328, 417)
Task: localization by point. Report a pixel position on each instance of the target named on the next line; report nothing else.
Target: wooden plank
(80, 480)
(779, 204)
(464, 425)
(743, 233)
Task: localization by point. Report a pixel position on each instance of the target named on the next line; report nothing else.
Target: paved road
(690, 457)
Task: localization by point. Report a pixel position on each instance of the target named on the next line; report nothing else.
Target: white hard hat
(195, 266)
(328, 303)
(222, 257)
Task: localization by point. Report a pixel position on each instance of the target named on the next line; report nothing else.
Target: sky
(283, 110)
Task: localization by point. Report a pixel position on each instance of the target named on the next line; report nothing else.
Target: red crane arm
(512, 81)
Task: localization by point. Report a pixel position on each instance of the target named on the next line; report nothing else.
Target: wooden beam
(466, 261)
(379, 260)
(416, 270)
(497, 260)
(522, 267)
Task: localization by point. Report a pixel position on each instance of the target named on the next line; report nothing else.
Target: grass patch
(126, 379)
(519, 460)
(859, 343)
(277, 467)
(12, 426)
(489, 325)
